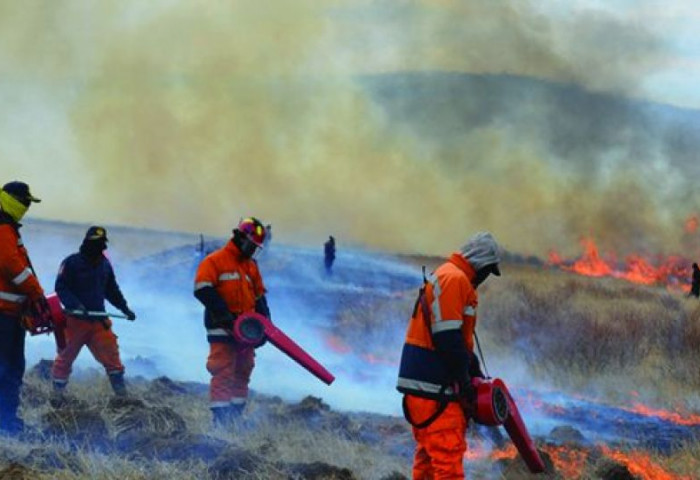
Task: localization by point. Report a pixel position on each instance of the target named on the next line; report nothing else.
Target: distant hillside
(575, 126)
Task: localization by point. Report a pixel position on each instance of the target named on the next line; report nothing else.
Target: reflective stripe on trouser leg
(230, 368)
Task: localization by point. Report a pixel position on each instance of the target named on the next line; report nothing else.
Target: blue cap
(20, 191)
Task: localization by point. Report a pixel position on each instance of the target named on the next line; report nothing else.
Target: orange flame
(691, 224)
(640, 464)
(673, 271)
(675, 417)
(570, 462)
(590, 263)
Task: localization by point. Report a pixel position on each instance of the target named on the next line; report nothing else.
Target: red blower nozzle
(253, 329)
(59, 320)
(495, 406)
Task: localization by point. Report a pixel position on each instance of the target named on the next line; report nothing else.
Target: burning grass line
(641, 464)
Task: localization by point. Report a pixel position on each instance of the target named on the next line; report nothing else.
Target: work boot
(58, 394)
(236, 410)
(224, 416)
(118, 385)
(220, 416)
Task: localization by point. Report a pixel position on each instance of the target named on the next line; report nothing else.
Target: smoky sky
(397, 125)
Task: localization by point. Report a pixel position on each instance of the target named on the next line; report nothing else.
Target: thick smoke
(188, 115)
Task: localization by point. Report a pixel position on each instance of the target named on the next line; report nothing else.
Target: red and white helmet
(252, 228)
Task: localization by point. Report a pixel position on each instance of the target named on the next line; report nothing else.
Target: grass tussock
(580, 332)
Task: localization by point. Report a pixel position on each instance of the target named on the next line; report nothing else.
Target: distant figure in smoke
(438, 360)
(229, 283)
(695, 286)
(85, 280)
(19, 287)
(329, 254)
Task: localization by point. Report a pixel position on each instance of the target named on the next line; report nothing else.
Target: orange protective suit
(18, 282)
(100, 340)
(440, 446)
(446, 310)
(228, 281)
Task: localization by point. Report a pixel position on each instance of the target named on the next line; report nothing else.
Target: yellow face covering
(12, 206)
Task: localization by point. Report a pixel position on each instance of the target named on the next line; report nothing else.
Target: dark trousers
(11, 367)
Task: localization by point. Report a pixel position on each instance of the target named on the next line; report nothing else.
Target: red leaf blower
(59, 321)
(253, 329)
(495, 406)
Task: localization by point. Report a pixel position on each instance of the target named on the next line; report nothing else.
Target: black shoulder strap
(438, 411)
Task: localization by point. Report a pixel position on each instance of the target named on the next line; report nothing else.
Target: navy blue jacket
(82, 283)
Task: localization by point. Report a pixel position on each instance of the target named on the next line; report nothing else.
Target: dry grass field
(618, 343)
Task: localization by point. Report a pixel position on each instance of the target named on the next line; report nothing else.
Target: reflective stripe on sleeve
(229, 276)
(201, 285)
(469, 310)
(26, 273)
(217, 332)
(446, 325)
(12, 297)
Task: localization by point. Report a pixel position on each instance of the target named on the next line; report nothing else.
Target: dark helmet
(253, 229)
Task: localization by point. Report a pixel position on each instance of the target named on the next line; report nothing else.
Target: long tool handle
(95, 314)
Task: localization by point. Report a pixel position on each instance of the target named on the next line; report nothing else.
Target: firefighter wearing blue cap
(84, 281)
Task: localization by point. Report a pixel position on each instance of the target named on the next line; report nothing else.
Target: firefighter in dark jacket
(18, 287)
(329, 254)
(695, 282)
(85, 279)
(228, 283)
(438, 361)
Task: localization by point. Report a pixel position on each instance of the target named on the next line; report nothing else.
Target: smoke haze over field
(187, 115)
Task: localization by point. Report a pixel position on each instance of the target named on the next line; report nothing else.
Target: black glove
(129, 314)
(466, 389)
(222, 319)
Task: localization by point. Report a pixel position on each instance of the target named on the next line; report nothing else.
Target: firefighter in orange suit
(228, 283)
(18, 286)
(438, 361)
